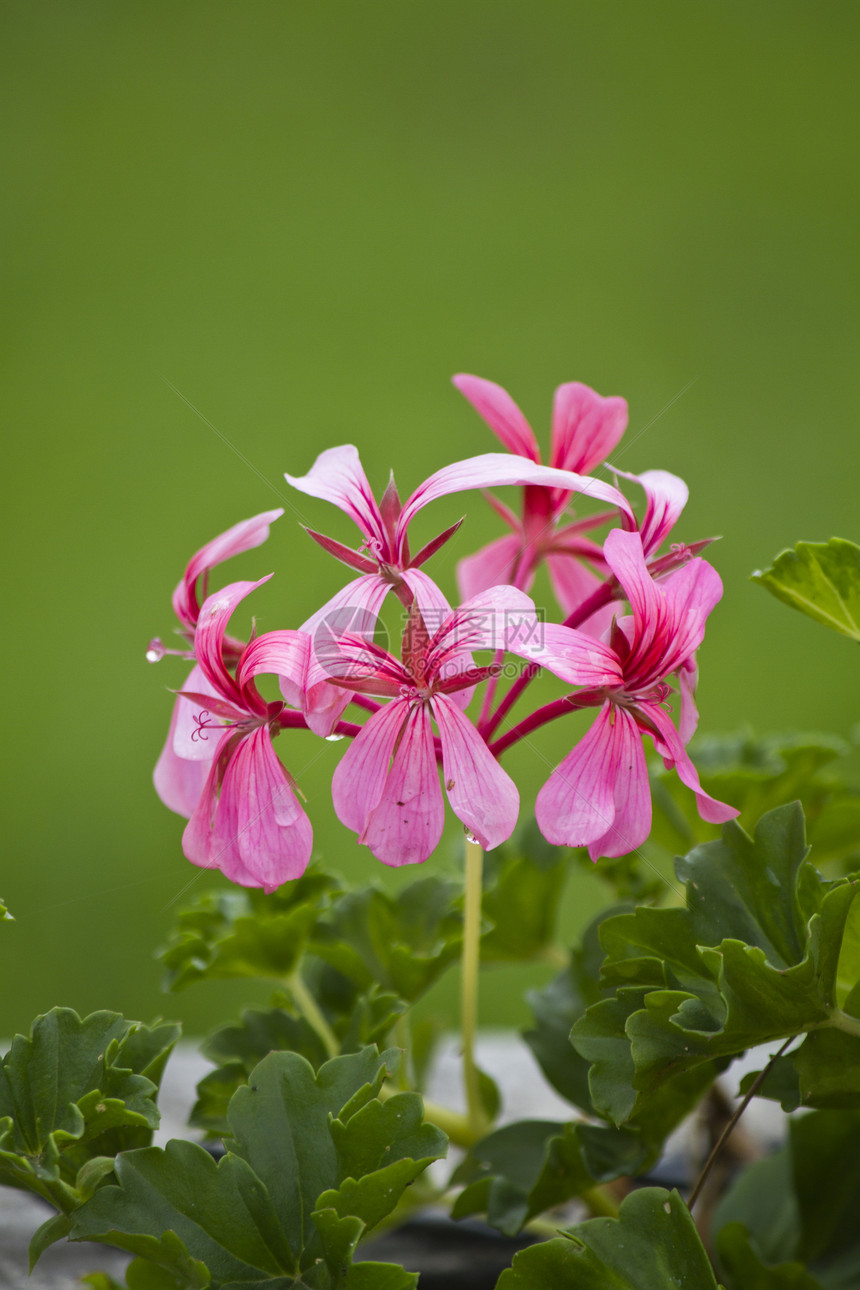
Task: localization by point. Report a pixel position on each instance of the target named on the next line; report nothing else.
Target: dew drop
(470, 837)
(155, 651)
(334, 739)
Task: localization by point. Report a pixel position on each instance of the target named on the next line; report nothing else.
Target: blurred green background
(305, 217)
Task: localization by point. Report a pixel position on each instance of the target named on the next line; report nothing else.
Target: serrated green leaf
(652, 1245)
(246, 933)
(176, 1206)
(401, 942)
(56, 1228)
(74, 1091)
(743, 1268)
(752, 958)
(822, 580)
(523, 1169)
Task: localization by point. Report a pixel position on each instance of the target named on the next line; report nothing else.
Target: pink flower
(599, 796)
(247, 822)
(585, 429)
(386, 787)
(179, 781)
(384, 560)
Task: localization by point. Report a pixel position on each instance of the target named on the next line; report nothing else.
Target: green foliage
(523, 1169)
(72, 1096)
(245, 933)
(652, 1245)
(752, 958)
(790, 1221)
(315, 1160)
(822, 580)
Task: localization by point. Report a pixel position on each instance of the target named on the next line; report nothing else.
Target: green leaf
(822, 580)
(797, 1207)
(652, 1245)
(753, 957)
(824, 1072)
(401, 942)
(246, 933)
(5, 916)
(315, 1159)
(73, 1092)
(522, 1169)
(523, 881)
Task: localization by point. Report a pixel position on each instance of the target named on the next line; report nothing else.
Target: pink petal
(490, 566)
(241, 537)
(406, 824)
(632, 822)
(196, 727)
(501, 414)
(688, 677)
(178, 781)
(215, 614)
(585, 427)
(573, 584)
(253, 830)
(576, 806)
(666, 496)
(572, 655)
(501, 618)
(430, 598)
(355, 611)
(624, 555)
(495, 468)
(668, 743)
(691, 593)
(481, 794)
(359, 778)
(285, 654)
(337, 476)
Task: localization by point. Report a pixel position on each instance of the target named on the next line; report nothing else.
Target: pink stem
(550, 712)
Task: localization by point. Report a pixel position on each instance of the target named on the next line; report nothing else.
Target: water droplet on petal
(333, 739)
(470, 837)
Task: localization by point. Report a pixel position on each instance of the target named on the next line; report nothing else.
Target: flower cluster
(631, 618)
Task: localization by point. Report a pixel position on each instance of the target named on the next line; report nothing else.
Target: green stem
(452, 1123)
(475, 1115)
(843, 1021)
(601, 1202)
(310, 1010)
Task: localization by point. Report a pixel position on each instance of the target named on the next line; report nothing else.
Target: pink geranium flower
(599, 796)
(247, 822)
(386, 788)
(384, 560)
(586, 427)
(179, 781)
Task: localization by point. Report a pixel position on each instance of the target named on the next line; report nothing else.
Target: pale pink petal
(241, 537)
(668, 743)
(337, 476)
(215, 614)
(285, 654)
(624, 556)
(666, 496)
(691, 593)
(573, 583)
(632, 822)
(435, 610)
(353, 611)
(688, 677)
(501, 414)
(481, 794)
(495, 468)
(178, 781)
(572, 655)
(576, 805)
(274, 834)
(585, 427)
(197, 728)
(197, 839)
(360, 775)
(406, 824)
(492, 565)
(501, 618)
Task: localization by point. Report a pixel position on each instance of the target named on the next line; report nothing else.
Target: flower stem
(475, 1114)
(309, 1008)
(549, 712)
